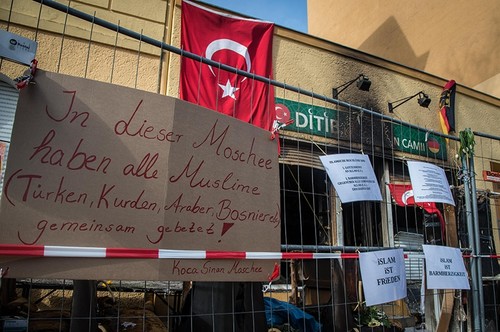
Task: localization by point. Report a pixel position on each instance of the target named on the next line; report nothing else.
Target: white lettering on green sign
(309, 119)
(414, 141)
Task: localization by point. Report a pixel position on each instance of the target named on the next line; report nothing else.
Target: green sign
(308, 119)
(325, 122)
(414, 141)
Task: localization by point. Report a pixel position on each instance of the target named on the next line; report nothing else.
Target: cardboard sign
(17, 48)
(445, 268)
(429, 183)
(384, 276)
(352, 176)
(98, 165)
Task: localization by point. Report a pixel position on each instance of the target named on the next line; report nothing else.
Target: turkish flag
(403, 196)
(238, 42)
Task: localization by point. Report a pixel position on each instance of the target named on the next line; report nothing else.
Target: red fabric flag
(234, 41)
(447, 107)
(403, 196)
(276, 273)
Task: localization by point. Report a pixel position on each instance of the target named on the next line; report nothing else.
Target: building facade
(456, 40)
(312, 214)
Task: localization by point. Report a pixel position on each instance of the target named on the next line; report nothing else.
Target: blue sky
(290, 14)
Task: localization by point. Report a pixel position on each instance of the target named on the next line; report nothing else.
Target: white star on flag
(228, 90)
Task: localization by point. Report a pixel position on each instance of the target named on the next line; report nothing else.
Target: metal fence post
(470, 227)
(467, 156)
(477, 243)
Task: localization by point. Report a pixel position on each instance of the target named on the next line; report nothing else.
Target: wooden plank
(446, 311)
(451, 226)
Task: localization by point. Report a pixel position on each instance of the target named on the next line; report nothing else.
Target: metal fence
(311, 293)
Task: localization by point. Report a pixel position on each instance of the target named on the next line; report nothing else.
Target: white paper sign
(17, 48)
(445, 268)
(352, 176)
(384, 276)
(429, 183)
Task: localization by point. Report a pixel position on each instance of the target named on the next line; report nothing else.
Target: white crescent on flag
(407, 194)
(228, 44)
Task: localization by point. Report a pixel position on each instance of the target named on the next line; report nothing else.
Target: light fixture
(423, 101)
(362, 82)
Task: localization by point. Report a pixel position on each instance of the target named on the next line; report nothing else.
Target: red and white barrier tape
(97, 252)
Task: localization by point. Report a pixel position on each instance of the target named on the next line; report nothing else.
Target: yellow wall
(299, 60)
(317, 65)
(457, 39)
(63, 41)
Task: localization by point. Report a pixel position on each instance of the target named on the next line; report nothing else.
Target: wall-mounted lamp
(362, 82)
(423, 101)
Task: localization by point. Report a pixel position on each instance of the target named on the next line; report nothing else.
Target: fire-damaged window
(487, 231)
(304, 206)
(490, 267)
(362, 224)
(362, 221)
(423, 220)
(308, 212)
